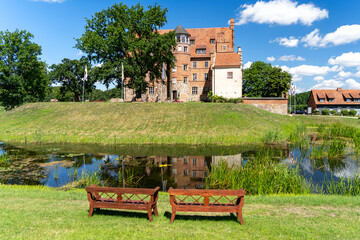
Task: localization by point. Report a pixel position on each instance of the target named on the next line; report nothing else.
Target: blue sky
(316, 41)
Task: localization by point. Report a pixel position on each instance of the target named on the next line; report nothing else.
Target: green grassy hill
(139, 123)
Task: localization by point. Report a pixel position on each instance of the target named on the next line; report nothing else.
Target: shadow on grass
(231, 217)
(127, 214)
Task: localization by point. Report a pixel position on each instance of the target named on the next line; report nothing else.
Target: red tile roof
(338, 96)
(227, 60)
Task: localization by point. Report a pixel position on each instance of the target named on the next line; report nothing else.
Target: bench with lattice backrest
(203, 200)
(123, 198)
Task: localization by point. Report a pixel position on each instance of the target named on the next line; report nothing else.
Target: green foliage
(353, 112)
(264, 80)
(332, 112)
(272, 137)
(342, 186)
(257, 178)
(23, 76)
(219, 99)
(129, 35)
(325, 112)
(345, 112)
(70, 74)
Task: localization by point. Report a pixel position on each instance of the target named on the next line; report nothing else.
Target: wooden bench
(199, 200)
(123, 198)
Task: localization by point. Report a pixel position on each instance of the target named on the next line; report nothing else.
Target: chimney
(339, 89)
(232, 24)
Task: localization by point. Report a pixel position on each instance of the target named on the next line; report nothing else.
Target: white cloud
(282, 12)
(357, 74)
(296, 78)
(309, 70)
(350, 59)
(287, 58)
(343, 35)
(319, 78)
(352, 84)
(343, 74)
(80, 53)
(270, 59)
(287, 42)
(299, 90)
(328, 84)
(247, 65)
(49, 1)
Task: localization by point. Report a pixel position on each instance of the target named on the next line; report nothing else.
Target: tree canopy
(264, 80)
(23, 76)
(129, 35)
(70, 74)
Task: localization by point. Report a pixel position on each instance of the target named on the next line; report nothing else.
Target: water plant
(342, 186)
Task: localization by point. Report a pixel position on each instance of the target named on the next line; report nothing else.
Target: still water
(148, 166)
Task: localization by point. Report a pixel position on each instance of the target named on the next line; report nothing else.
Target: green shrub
(353, 112)
(345, 112)
(220, 99)
(332, 112)
(325, 112)
(316, 112)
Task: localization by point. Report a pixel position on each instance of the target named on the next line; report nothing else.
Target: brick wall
(274, 105)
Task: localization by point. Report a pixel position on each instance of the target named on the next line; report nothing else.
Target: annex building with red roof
(205, 61)
(339, 99)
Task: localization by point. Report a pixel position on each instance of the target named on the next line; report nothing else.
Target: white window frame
(179, 48)
(206, 76)
(206, 64)
(230, 75)
(173, 80)
(194, 76)
(174, 69)
(194, 64)
(151, 90)
(194, 90)
(185, 49)
(185, 67)
(185, 80)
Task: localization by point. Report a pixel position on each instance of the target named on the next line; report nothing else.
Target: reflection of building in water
(191, 171)
(233, 160)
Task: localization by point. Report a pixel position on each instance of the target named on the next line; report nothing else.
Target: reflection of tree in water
(137, 172)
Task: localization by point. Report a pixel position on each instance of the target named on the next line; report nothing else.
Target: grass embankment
(45, 213)
(143, 123)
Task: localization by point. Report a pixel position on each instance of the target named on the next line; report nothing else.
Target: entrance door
(174, 96)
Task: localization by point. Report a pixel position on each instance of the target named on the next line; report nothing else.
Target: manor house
(205, 61)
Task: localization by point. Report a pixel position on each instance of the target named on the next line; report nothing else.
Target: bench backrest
(206, 197)
(141, 195)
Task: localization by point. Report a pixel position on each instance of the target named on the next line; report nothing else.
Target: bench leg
(150, 215)
(91, 210)
(173, 213)
(239, 215)
(156, 211)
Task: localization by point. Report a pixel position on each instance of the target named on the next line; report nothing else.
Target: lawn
(45, 213)
(145, 123)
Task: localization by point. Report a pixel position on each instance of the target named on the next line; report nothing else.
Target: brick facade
(192, 77)
(274, 105)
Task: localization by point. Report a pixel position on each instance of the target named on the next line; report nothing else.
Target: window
(194, 90)
(185, 80)
(194, 64)
(179, 48)
(212, 41)
(356, 100)
(194, 174)
(192, 41)
(194, 161)
(151, 90)
(185, 172)
(348, 100)
(206, 64)
(201, 51)
(185, 161)
(206, 91)
(194, 76)
(331, 100)
(322, 99)
(185, 49)
(185, 67)
(173, 80)
(174, 69)
(183, 38)
(206, 76)
(224, 47)
(230, 75)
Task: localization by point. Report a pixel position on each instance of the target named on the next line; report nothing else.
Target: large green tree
(264, 80)
(129, 35)
(23, 76)
(70, 74)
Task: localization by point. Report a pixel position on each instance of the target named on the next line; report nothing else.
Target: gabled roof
(180, 30)
(338, 96)
(223, 60)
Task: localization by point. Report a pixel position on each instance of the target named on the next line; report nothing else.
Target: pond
(148, 166)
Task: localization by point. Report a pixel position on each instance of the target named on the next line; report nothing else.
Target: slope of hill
(145, 123)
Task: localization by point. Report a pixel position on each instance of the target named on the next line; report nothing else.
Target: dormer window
(331, 100)
(192, 41)
(201, 51)
(212, 41)
(356, 99)
(322, 100)
(348, 100)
